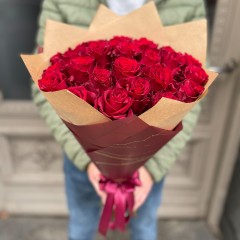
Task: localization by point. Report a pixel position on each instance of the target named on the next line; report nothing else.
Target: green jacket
(81, 13)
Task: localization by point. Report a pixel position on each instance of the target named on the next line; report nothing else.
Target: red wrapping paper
(119, 148)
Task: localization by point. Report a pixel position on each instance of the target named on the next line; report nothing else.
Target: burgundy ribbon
(119, 203)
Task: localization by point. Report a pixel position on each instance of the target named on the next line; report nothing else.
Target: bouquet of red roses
(124, 76)
(123, 91)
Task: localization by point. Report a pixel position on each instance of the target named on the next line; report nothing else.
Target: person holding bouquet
(81, 176)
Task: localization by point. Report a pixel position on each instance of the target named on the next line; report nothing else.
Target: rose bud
(125, 67)
(190, 91)
(84, 94)
(79, 68)
(101, 78)
(160, 78)
(115, 103)
(197, 74)
(53, 79)
(150, 57)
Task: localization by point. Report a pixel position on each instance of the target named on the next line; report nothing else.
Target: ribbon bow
(119, 204)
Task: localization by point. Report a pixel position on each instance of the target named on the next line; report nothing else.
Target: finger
(99, 192)
(139, 201)
(138, 193)
(97, 189)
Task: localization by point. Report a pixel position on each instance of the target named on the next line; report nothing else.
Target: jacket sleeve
(160, 164)
(63, 136)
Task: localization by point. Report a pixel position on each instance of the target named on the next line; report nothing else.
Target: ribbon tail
(106, 215)
(130, 203)
(120, 210)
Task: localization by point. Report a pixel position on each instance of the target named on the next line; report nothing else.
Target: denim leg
(144, 225)
(83, 203)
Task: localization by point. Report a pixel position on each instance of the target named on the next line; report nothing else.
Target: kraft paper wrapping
(144, 22)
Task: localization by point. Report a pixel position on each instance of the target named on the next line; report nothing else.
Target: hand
(141, 192)
(94, 176)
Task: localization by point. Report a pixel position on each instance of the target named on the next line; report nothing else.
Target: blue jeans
(84, 208)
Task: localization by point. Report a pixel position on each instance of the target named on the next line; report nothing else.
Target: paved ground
(31, 228)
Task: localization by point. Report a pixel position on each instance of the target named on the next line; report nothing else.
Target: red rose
(178, 74)
(53, 79)
(150, 57)
(170, 58)
(190, 60)
(80, 50)
(169, 95)
(165, 51)
(59, 57)
(56, 58)
(138, 88)
(173, 87)
(54, 67)
(98, 48)
(190, 91)
(115, 103)
(101, 78)
(79, 68)
(144, 43)
(84, 94)
(83, 63)
(114, 42)
(70, 53)
(157, 96)
(99, 51)
(197, 74)
(125, 67)
(140, 106)
(160, 77)
(126, 49)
